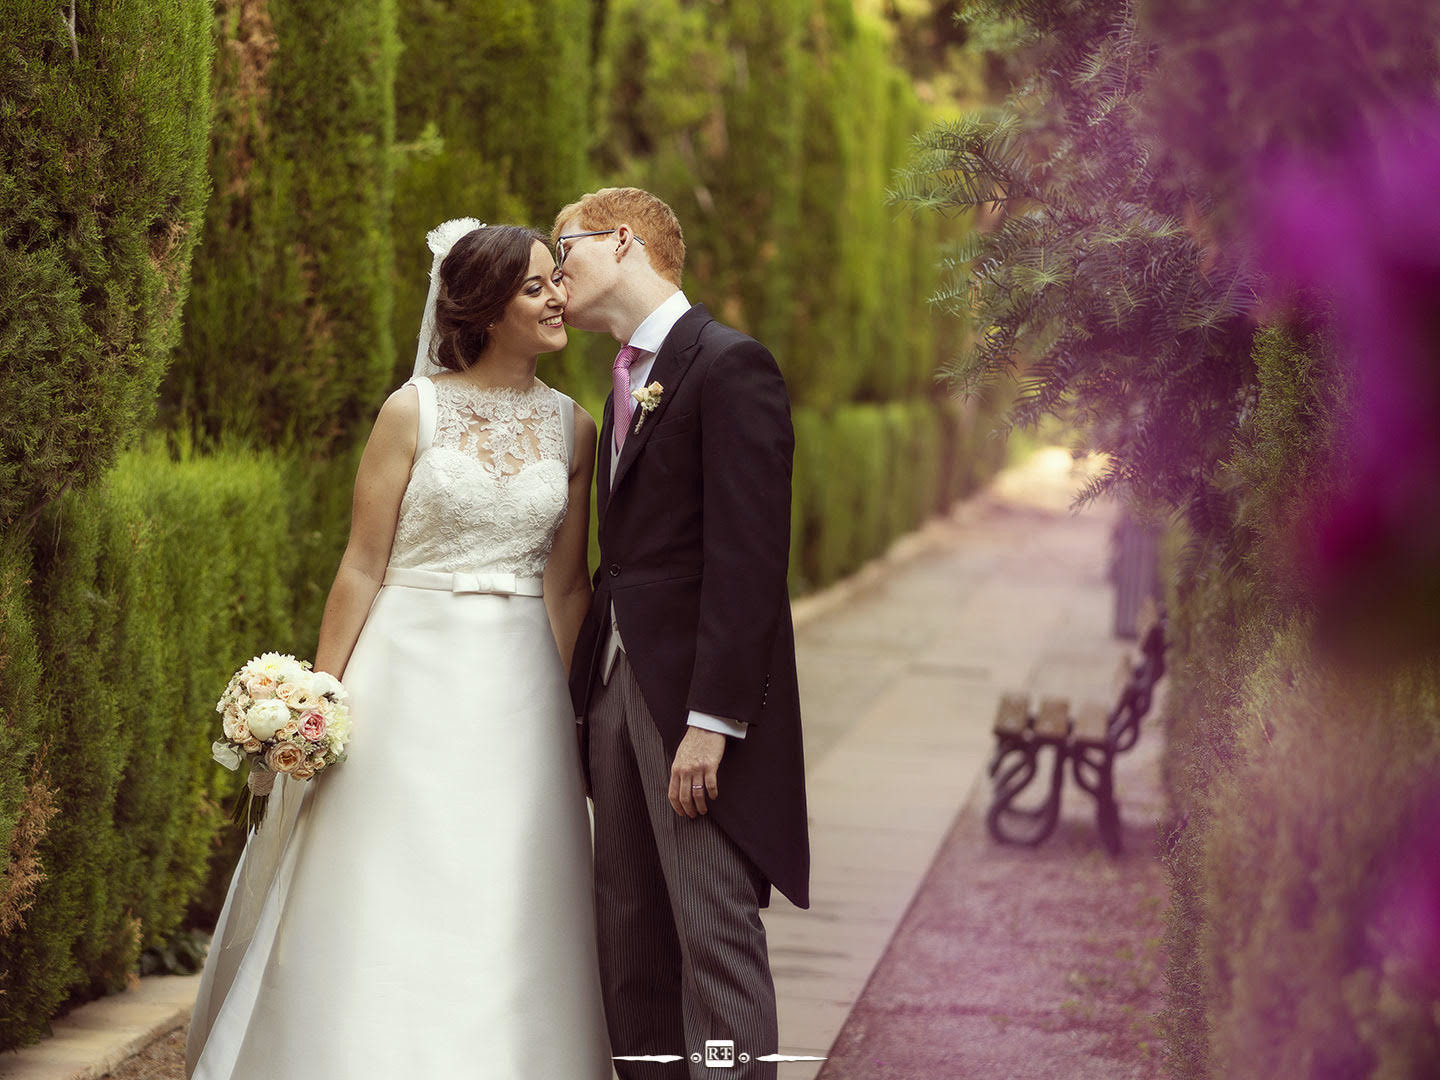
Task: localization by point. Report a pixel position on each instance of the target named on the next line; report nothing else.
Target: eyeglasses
(560, 242)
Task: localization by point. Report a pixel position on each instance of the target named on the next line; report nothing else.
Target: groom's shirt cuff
(734, 728)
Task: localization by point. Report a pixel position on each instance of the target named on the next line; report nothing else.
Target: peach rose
(253, 745)
(303, 771)
(260, 687)
(286, 692)
(283, 757)
(236, 728)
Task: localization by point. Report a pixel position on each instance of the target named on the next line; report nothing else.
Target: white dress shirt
(649, 336)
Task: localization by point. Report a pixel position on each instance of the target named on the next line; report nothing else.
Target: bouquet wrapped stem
(250, 804)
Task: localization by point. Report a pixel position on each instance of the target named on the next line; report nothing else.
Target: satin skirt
(432, 912)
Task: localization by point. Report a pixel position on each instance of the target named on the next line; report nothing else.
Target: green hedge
(26, 792)
(773, 130)
(151, 587)
(1297, 784)
(102, 183)
(492, 111)
(287, 331)
(864, 476)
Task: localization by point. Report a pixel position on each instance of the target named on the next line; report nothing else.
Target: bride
(426, 909)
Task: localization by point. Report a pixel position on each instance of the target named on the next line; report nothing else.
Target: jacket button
(614, 569)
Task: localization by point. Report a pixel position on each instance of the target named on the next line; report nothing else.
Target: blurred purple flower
(1362, 229)
(1403, 930)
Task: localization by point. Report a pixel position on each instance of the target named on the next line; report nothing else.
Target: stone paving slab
(90, 1041)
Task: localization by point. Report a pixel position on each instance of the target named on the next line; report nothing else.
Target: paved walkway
(900, 671)
(900, 685)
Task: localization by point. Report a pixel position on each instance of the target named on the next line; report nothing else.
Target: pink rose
(313, 727)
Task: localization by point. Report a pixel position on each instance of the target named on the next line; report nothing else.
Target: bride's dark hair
(478, 278)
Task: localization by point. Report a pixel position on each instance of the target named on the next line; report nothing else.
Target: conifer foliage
(1095, 289)
(104, 111)
(287, 329)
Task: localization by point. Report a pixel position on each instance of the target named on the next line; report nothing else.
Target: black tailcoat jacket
(694, 548)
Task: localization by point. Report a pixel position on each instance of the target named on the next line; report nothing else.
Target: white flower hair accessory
(439, 240)
(442, 238)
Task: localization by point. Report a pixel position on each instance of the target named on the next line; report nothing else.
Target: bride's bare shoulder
(398, 415)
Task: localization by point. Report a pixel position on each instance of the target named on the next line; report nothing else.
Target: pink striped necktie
(624, 404)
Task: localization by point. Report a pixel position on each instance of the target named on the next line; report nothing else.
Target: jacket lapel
(671, 364)
(602, 464)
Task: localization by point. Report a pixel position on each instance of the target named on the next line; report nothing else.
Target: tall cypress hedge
(102, 185)
(492, 115)
(104, 110)
(287, 332)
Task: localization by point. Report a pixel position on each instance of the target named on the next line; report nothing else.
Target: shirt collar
(651, 333)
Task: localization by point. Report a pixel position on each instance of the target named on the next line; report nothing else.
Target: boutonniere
(648, 398)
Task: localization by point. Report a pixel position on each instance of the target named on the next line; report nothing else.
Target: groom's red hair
(653, 221)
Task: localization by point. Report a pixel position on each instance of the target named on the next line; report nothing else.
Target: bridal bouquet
(282, 717)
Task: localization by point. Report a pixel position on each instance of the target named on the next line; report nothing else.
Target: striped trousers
(677, 909)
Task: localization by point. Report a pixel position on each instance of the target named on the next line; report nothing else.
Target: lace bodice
(490, 487)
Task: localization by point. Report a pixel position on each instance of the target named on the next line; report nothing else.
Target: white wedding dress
(430, 914)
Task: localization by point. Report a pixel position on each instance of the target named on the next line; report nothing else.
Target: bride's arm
(567, 574)
(379, 486)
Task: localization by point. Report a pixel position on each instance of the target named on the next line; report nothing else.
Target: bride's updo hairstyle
(479, 277)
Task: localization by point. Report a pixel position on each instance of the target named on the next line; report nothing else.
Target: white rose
(225, 754)
(337, 726)
(267, 717)
(305, 696)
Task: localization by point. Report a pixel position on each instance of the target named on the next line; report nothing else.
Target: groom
(684, 671)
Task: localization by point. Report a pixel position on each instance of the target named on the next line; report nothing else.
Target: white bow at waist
(497, 582)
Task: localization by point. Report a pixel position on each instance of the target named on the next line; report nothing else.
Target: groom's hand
(693, 775)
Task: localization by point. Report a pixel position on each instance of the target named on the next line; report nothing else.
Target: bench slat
(1053, 718)
(1013, 713)
(1092, 722)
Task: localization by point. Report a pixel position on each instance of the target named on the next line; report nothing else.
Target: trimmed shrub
(863, 478)
(154, 585)
(27, 795)
(102, 184)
